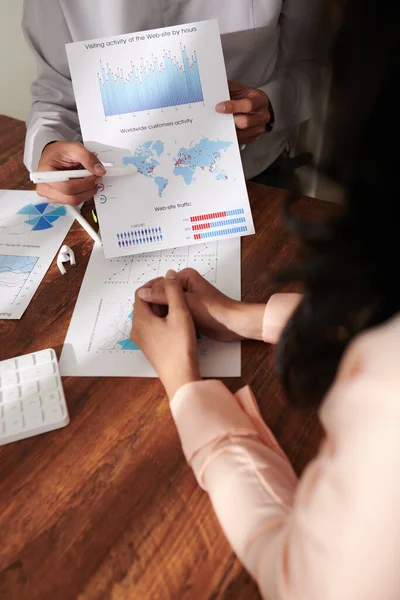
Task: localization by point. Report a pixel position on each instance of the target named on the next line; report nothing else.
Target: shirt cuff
(35, 144)
(290, 107)
(206, 411)
(274, 93)
(279, 309)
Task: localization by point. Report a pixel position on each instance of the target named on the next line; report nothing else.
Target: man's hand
(250, 108)
(59, 156)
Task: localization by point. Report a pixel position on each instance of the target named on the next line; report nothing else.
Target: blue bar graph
(227, 222)
(210, 234)
(153, 84)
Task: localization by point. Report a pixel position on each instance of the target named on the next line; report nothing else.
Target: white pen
(86, 226)
(60, 176)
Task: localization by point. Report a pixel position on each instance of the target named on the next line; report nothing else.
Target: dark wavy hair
(350, 265)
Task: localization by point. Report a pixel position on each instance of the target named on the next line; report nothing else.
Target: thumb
(89, 160)
(236, 91)
(174, 293)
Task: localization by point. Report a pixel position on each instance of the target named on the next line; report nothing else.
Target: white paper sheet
(97, 342)
(31, 232)
(148, 100)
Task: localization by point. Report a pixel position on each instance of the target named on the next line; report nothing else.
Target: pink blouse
(335, 534)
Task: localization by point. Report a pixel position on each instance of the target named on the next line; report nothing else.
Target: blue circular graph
(43, 215)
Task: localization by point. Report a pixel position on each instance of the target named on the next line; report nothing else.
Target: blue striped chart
(154, 84)
(210, 234)
(217, 215)
(224, 223)
(218, 219)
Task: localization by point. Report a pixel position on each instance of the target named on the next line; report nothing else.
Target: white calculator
(32, 399)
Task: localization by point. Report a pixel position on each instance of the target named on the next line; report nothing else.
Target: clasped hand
(167, 313)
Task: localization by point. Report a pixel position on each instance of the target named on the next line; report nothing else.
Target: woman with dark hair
(335, 534)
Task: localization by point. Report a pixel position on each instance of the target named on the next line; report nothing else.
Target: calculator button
(7, 366)
(44, 356)
(53, 413)
(12, 409)
(33, 419)
(28, 388)
(26, 361)
(28, 374)
(49, 383)
(10, 395)
(9, 378)
(49, 398)
(32, 403)
(44, 370)
(14, 423)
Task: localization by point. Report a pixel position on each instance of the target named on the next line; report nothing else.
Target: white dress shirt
(268, 44)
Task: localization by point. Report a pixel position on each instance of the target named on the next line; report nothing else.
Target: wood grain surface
(107, 508)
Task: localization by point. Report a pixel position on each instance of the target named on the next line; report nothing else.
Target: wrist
(279, 309)
(247, 320)
(51, 143)
(176, 378)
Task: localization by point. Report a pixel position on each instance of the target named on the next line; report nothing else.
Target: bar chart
(214, 221)
(154, 84)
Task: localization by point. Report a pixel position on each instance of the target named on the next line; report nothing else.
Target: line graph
(153, 84)
(121, 271)
(14, 273)
(137, 270)
(115, 323)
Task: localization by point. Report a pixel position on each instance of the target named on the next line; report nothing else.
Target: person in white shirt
(270, 53)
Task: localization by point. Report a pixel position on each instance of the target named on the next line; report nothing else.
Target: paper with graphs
(98, 340)
(31, 232)
(147, 100)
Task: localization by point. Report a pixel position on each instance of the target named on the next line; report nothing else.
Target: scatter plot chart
(139, 269)
(120, 271)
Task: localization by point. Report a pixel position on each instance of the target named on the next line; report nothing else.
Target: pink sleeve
(277, 313)
(336, 534)
(237, 460)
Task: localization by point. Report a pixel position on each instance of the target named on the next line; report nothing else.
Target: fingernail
(99, 169)
(221, 107)
(170, 274)
(144, 294)
(98, 180)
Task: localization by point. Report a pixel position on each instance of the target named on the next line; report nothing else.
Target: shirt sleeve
(277, 313)
(336, 534)
(298, 67)
(53, 114)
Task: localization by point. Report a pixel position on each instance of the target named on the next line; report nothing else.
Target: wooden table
(107, 507)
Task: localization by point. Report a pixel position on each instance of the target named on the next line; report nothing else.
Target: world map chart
(204, 155)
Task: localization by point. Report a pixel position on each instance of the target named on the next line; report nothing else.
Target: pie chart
(42, 216)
